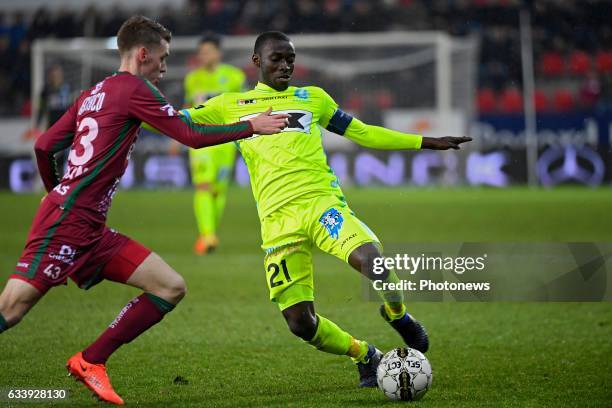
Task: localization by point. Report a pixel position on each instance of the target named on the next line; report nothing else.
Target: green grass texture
(230, 347)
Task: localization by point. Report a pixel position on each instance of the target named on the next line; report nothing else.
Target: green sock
(204, 207)
(393, 299)
(162, 304)
(3, 324)
(330, 338)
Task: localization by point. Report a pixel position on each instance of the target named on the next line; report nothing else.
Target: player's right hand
(267, 124)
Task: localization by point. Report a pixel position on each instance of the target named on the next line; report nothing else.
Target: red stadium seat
(511, 100)
(540, 100)
(563, 100)
(486, 100)
(579, 63)
(300, 72)
(384, 99)
(354, 102)
(551, 64)
(251, 72)
(604, 61)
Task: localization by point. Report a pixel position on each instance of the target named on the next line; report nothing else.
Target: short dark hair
(210, 37)
(263, 38)
(140, 30)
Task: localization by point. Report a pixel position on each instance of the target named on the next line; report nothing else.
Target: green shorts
(289, 235)
(212, 164)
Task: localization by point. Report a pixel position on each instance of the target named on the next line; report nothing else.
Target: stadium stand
(569, 39)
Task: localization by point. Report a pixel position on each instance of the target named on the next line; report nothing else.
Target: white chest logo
(299, 120)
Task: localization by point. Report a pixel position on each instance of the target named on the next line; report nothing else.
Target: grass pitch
(226, 345)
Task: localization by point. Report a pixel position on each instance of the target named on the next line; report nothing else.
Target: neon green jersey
(286, 165)
(201, 85)
(292, 163)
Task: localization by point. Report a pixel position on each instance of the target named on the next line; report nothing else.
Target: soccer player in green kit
(211, 167)
(301, 205)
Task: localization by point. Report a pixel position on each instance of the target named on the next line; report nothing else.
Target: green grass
(231, 344)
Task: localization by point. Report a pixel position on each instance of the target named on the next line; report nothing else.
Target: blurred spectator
(20, 74)
(41, 24)
(17, 30)
(65, 24)
(55, 98)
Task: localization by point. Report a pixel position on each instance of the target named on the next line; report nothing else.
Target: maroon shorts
(64, 244)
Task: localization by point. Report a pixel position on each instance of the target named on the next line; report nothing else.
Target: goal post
(401, 70)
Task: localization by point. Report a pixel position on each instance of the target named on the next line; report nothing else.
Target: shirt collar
(263, 87)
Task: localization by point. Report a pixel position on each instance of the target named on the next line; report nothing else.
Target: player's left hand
(444, 143)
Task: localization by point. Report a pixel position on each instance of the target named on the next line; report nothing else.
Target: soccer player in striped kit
(69, 237)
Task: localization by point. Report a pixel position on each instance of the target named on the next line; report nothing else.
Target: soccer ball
(404, 374)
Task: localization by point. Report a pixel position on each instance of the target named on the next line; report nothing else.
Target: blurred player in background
(211, 168)
(55, 98)
(300, 202)
(69, 237)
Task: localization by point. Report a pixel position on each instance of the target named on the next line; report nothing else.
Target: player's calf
(156, 277)
(302, 320)
(16, 300)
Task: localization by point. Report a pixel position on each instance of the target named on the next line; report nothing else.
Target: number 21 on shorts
(275, 269)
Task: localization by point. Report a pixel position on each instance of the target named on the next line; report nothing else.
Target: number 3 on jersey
(78, 160)
(85, 141)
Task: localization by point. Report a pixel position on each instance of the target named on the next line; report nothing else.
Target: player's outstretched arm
(268, 124)
(376, 137)
(444, 143)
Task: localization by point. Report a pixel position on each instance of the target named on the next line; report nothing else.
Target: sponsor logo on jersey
(301, 93)
(65, 255)
(299, 120)
(24, 265)
(246, 101)
(332, 221)
(348, 239)
(271, 98)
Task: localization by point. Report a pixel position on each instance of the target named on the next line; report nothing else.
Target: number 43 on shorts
(52, 271)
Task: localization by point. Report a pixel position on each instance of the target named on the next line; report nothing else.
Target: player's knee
(302, 324)
(174, 289)
(363, 259)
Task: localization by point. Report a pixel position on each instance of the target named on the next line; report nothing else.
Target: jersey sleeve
(57, 138)
(210, 112)
(328, 108)
(377, 137)
(149, 105)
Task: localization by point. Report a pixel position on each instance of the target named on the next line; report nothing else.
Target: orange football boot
(94, 377)
(205, 244)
